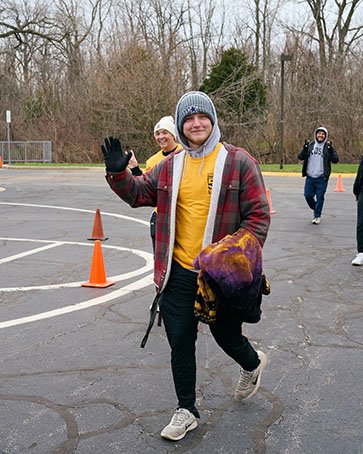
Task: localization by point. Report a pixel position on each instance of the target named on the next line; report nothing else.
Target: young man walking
(317, 156)
(213, 218)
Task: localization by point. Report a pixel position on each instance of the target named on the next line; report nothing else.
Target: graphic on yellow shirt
(193, 207)
(210, 182)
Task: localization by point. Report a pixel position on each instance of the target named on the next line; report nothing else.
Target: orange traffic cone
(269, 201)
(1, 161)
(97, 277)
(97, 232)
(339, 187)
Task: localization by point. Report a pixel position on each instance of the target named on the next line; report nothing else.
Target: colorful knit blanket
(230, 278)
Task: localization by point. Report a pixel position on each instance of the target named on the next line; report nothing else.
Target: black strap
(153, 312)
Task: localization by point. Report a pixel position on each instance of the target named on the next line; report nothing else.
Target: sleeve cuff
(136, 171)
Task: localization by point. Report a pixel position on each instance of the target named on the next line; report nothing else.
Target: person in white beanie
(164, 133)
(212, 209)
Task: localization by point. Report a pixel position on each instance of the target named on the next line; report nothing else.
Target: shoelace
(179, 418)
(245, 380)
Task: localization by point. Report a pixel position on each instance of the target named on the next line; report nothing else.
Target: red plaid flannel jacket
(242, 201)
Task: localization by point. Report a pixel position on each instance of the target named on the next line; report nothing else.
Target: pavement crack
(68, 446)
(259, 432)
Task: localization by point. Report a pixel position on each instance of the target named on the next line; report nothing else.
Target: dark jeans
(177, 310)
(360, 222)
(152, 229)
(315, 187)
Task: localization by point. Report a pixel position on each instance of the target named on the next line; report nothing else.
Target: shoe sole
(263, 365)
(192, 426)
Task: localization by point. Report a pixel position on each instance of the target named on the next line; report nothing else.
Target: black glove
(306, 145)
(115, 159)
(136, 171)
(330, 148)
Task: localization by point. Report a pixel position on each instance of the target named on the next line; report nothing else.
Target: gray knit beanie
(192, 103)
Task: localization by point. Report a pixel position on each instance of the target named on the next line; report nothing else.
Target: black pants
(360, 222)
(177, 309)
(152, 229)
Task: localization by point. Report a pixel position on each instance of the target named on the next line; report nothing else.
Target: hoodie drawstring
(201, 166)
(185, 165)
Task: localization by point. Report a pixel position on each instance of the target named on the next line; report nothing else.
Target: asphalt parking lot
(73, 378)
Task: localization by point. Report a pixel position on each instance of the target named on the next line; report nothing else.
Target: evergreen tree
(235, 87)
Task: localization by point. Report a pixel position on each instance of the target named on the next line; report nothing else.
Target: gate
(29, 151)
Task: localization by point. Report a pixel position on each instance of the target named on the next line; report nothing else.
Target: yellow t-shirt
(192, 207)
(156, 158)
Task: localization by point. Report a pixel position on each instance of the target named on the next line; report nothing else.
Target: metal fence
(32, 151)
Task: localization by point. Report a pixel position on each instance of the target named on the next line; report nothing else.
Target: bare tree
(19, 18)
(74, 24)
(24, 28)
(74, 70)
(337, 28)
(254, 31)
(204, 37)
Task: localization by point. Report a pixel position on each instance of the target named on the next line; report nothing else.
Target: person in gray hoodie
(207, 193)
(317, 156)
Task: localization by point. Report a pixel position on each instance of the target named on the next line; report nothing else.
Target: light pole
(8, 121)
(284, 58)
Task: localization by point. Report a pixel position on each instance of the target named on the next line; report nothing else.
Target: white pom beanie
(166, 123)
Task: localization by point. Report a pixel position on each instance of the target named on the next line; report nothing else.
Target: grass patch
(336, 168)
(53, 164)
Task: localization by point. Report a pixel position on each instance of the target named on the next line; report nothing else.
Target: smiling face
(320, 136)
(165, 140)
(197, 129)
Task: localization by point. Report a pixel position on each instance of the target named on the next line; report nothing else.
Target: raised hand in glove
(306, 145)
(115, 159)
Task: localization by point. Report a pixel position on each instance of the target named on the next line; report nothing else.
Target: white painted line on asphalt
(147, 256)
(121, 216)
(24, 254)
(144, 282)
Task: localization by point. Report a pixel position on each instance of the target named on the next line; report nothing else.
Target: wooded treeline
(75, 71)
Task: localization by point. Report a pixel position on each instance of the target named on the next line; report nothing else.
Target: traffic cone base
(91, 284)
(269, 201)
(97, 276)
(97, 232)
(339, 187)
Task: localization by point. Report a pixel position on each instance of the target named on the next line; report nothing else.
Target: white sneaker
(182, 422)
(358, 260)
(316, 221)
(249, 382)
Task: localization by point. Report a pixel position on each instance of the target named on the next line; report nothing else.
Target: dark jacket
(329, 156)
(358, 182)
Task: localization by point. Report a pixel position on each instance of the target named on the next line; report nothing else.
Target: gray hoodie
(315, 167)
(210, 144)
